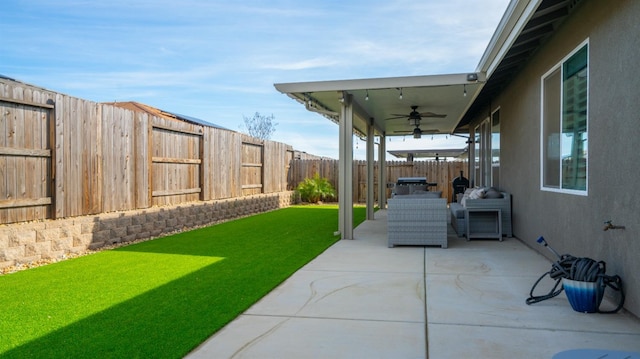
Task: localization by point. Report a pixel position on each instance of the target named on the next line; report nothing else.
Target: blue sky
(218, 60)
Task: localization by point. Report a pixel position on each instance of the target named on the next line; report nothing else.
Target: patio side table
(484, 223)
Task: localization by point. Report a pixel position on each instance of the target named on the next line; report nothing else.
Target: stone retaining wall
(23, 243)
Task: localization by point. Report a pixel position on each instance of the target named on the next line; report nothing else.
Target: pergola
(376, 107)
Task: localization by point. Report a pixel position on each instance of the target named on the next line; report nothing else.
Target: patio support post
(370, 169)
(382, 172)
(345, 177)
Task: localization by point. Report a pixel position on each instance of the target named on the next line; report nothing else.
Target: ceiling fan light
(417, 133)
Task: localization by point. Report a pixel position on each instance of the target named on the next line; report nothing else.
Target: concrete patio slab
(361, 299)
(499, 301)
(347, 295)
(262, 337)
(469, 341)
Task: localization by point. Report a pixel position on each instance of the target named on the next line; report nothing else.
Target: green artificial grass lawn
(160, 298)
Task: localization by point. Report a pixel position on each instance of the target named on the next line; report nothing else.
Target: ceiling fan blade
(415, 116)
(433, 115)
(397, 115)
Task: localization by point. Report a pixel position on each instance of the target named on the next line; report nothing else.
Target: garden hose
(579, 269)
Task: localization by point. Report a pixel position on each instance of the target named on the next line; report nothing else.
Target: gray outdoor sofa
(490, 199)
(417, 219)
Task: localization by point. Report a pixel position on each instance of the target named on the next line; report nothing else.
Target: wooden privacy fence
(62, 156)
(440, 172)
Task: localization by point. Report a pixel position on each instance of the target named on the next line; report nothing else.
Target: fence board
(225, 160)
(92, 167)
(73, 174)
(60, 159)
(142, 153)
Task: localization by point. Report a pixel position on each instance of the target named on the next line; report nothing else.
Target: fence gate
(25, 160)
(176, 166)
(252, 168)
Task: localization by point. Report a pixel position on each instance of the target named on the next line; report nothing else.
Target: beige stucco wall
(572, 223)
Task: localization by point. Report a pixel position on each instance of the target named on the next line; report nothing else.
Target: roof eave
(515, 18)
(376, 83)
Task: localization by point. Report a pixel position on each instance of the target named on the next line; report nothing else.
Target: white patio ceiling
(440, 94)
(441, 153)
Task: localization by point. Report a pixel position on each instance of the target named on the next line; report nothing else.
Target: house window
(495, 148)
(486, 160)
(564, 122)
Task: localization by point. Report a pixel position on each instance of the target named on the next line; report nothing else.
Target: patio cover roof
(379, 99)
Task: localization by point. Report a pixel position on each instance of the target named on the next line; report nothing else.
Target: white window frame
(559, 66)
(482, 161)
(494, 167)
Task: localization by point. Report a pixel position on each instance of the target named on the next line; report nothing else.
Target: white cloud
(302, 64)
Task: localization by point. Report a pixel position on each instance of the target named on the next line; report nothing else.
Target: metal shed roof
(136, 106)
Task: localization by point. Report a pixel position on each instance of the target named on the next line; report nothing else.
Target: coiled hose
(580, 269)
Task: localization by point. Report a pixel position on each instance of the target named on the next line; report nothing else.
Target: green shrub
(315, 189)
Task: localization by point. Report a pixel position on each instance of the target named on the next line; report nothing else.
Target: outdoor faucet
(608, 225)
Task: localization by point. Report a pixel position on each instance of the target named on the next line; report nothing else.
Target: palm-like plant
(315, 189)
